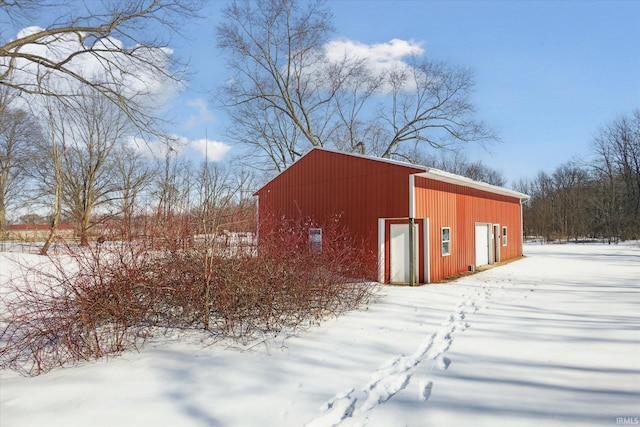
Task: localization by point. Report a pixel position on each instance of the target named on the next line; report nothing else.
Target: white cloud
(158, 149)
(136, 79)
(390, 52)
(203, 114)
(379, 57)
(181, 146)
(213, 150)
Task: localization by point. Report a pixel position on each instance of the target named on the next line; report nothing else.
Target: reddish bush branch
(104, 299)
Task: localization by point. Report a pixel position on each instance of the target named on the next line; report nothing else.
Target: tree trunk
(57, 202)
(3, 219)
(52, 233)
(84, 228)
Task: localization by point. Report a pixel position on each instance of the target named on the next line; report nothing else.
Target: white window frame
(444, 241)
(504, 235)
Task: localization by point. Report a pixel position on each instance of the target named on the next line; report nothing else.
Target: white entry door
(399, 253)
(483, 233)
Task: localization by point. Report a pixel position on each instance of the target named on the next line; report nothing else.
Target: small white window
(446, 241)
(504, 236)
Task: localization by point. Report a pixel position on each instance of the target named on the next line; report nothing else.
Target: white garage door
(482, 244)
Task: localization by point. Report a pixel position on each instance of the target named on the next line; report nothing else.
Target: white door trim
(427, 252)
(381, 258)
(497, 242)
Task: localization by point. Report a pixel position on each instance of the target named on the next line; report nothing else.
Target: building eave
(451, 178)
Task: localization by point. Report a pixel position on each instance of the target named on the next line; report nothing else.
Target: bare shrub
(90, 305)
(103, 299)
(287, 285)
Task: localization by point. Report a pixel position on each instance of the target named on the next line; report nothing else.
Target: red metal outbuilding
(457, 223)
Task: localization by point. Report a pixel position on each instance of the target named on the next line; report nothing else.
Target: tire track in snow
(396, 374)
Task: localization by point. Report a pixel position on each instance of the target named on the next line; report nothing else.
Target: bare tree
(286, 95)
(19, 130)
(172, 179)
(543, 202)
(88, 161)
(355, 131)
(456, 162)
(564, 204)
(525, 186)
(277, 95)
(52, 182)
(430, 104)
(600, 199)
(570, 183)
(78, 161)
(224, 196)
(616, 150)
(99, 46)
(117, 51)
(132, 175)
(480, 172)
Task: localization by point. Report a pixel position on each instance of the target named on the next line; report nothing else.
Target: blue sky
(549, 74)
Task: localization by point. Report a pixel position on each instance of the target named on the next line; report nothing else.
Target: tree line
(73, 164)
(597, 198)
(74, 95)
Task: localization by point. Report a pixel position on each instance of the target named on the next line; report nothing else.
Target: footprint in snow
(443, 362)
(394, 376)
(449, 320)
(336, 410)
(425, 390)
(384, 390)
(441, 348)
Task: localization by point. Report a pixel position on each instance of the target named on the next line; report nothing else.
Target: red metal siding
(323, 184)
(458, 207)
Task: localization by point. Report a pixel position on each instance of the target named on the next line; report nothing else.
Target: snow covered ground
(553, 339)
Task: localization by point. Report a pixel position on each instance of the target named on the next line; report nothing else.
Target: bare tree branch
(18, 129)
(113, 35)
(288, 94)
